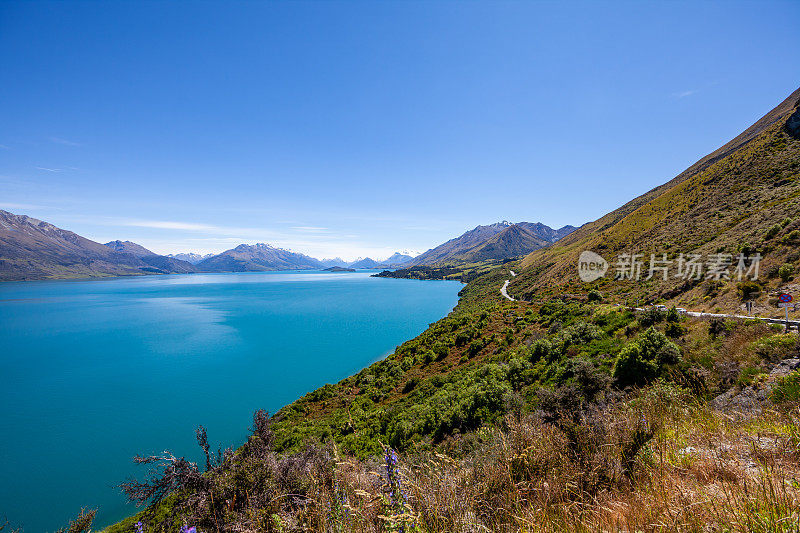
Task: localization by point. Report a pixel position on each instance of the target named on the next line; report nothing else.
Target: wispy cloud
(189, 236)
(50, 169)
(21, 206)
(310, 229)
(167, 224)
(684, 94)
(65, 142)
(4, 147)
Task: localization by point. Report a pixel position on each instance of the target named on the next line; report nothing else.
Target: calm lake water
(96, 371)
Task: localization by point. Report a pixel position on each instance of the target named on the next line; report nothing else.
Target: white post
(787, 317)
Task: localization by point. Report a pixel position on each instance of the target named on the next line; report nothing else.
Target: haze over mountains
(33, 249)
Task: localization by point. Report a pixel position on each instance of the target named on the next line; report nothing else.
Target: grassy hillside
(745, 197)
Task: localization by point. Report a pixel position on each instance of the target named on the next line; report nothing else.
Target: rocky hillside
(517, 240)
(501, 240)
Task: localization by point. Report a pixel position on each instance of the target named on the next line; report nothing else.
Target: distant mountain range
(363, 263)
(336, 261)
(32, 249)
(166, 264)
(398, 258)
(395, 260)
(191, 257)
(258, 257)
(501, 240)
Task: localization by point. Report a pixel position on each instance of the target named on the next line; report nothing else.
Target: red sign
(785, 298)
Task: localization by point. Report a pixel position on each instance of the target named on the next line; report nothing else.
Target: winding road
(504, 288)
(697, 314)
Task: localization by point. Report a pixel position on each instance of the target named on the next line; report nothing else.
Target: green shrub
(673, 315)
(410, 384)
(632, 367)
(440, 351)
(772, 231)
(642, 360)
(577, 334)
(674, 330)
(476, 346)
(786, 271)
(650, 316)
(748, 290)
(594, 296)
(462, 338)
(541, 349)
(793, 236)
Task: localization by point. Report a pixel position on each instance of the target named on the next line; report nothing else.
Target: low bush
(786, 271)
(643, 360)
(594, 296)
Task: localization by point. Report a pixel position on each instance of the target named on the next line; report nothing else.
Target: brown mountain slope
(129, 247)
(463, 243)
(501, 240)
(725, 203)
(32, 249)
(516, 240)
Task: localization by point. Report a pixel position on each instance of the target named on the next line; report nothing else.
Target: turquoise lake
(96, 371)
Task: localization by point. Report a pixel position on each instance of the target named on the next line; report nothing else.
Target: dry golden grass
(659, 462)
(701, 471)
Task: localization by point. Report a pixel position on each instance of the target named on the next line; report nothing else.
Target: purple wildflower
(397, 496)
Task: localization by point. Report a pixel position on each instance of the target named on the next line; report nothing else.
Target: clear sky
(361, 128)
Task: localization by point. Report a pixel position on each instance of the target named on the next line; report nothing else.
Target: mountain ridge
(500, 240)
(259, 257)
(32, 249)
(190, 257)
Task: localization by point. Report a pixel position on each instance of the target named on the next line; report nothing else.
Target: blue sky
(361, 128)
